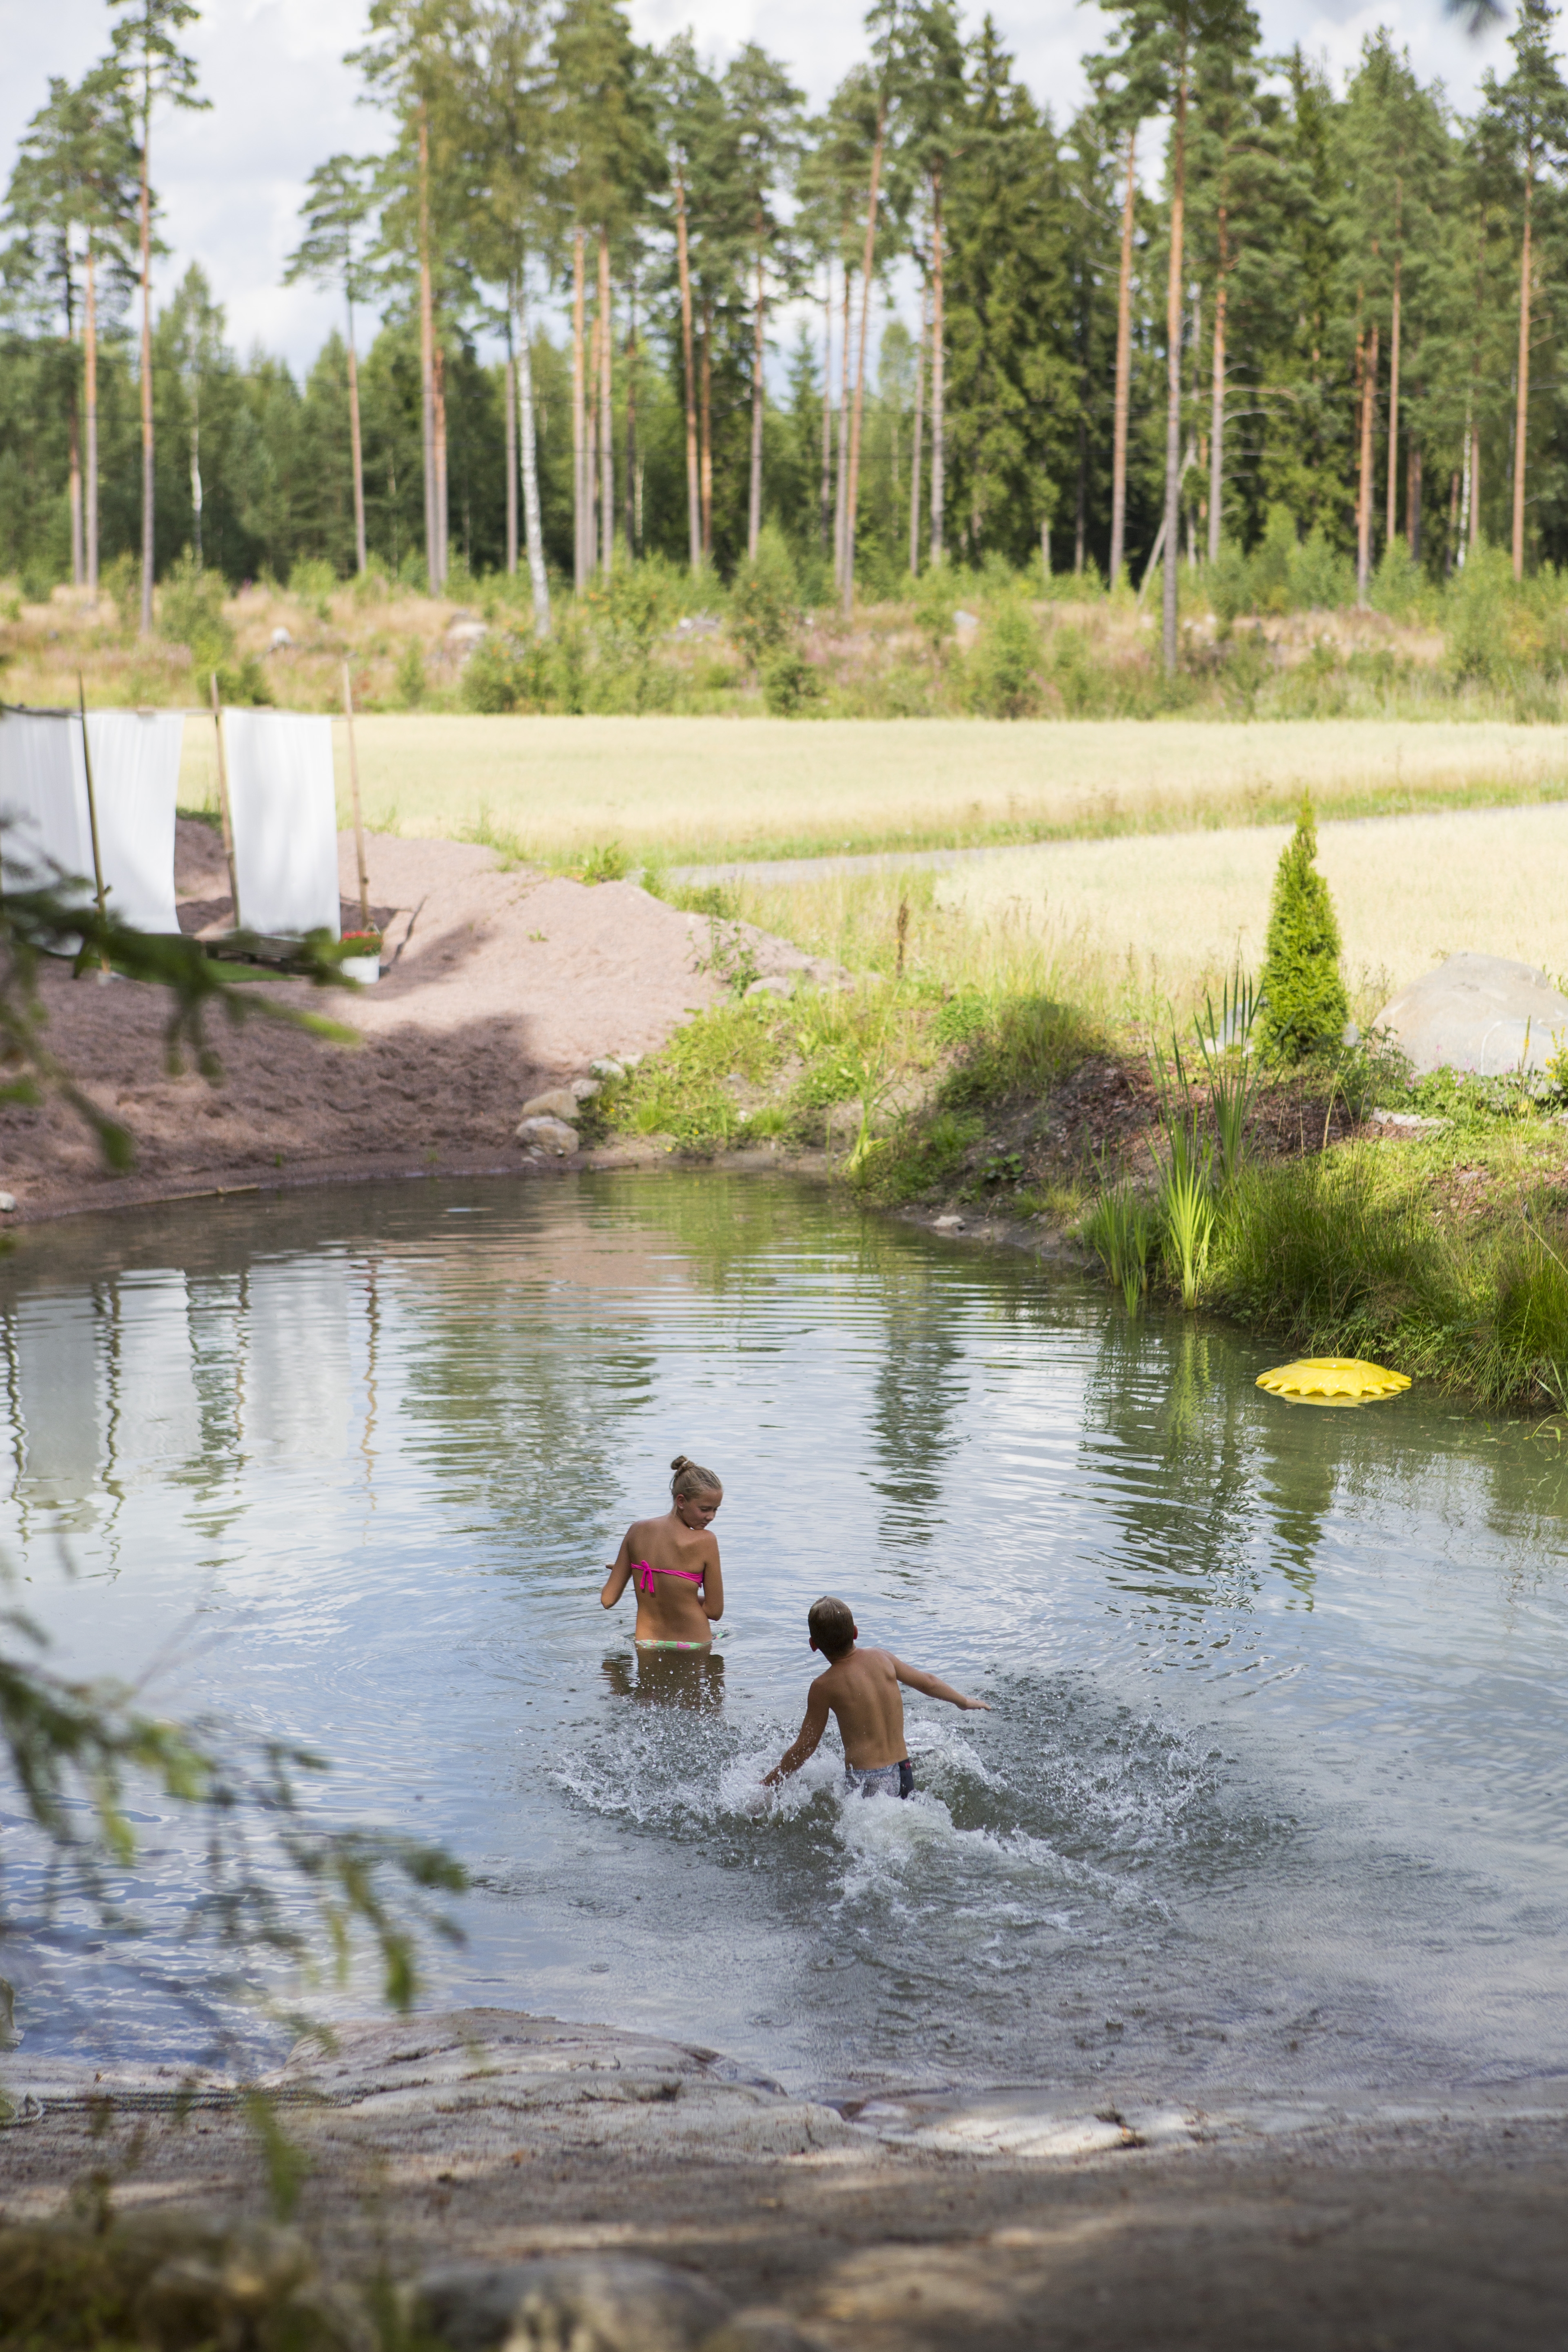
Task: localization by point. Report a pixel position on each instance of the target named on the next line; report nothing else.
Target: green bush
(1006, 671)
(765, 598)
(1304, 1011)
(505, 673)
(312, 581)
(791, 683)
(1319, 579)
(1398, 585)
(411, 674)
(190, 613)
(243, 682)
(1017, 1045)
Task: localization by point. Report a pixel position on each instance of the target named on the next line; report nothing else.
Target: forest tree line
(1343, 306)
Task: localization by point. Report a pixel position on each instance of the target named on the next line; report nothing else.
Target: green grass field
(703, 790)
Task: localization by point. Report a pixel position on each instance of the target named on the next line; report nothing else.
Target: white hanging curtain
(283, 810)
(43, 800)
(135, 785)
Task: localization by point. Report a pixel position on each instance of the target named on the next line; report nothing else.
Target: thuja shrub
(1304, 1008)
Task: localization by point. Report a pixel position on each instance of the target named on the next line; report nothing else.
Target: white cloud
(231, 179)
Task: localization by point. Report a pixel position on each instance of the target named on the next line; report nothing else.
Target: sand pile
(497, 985)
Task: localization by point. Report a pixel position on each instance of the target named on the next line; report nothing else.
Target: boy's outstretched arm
(933, 1688)
(806, 1743)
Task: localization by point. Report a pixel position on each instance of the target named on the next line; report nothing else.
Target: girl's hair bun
(691, 1478)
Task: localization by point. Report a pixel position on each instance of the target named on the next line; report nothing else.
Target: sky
(282, 100)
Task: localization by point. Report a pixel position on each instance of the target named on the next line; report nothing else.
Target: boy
(861, 1688)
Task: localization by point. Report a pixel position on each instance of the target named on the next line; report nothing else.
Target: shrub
(1018, 1044)
(790, 683)
(411, 674)
(504, 673)
(243, 682)
(765, 598)
(190, 613)
(1318, 578)
(1304, 1009)
(311, 581)
(1229, 586)
(1398, 585)
(1005, 673)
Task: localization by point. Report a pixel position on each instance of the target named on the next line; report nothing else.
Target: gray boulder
(1478, 1013)
(589, 2304)
(561, 1102)
(550, 1136)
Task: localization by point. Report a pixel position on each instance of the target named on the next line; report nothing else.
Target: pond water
(1272, 1795)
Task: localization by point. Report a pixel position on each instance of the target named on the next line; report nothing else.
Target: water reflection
(668, 1678)
(1278, 1723)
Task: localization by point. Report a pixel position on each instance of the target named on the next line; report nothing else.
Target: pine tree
(152, 66)
(1304, 1010)
(338, 198)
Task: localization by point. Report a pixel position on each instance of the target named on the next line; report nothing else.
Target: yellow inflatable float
(1332, 1380)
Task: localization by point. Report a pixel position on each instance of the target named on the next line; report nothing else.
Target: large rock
(1478, 1013)
(559, 1102)
(589, 2304)
(551, 1136)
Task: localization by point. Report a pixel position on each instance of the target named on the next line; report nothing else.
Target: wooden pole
(223, 808)
(92, 816)
(353, 788)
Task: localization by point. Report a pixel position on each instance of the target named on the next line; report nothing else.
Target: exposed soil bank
(499, 985)
(491, 2135)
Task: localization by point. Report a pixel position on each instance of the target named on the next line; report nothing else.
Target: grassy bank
(992, 1075)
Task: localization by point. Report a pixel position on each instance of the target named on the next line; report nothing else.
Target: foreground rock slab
(510, 2169)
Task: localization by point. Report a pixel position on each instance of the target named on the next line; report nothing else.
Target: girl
(674, 1563)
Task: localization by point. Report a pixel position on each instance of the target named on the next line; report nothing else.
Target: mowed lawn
(1408, 891)
(692, 789)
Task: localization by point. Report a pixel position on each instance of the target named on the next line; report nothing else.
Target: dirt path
(501, 985)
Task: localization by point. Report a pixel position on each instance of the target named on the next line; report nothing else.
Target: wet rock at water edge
(553, 1137)
(583, 2304)
(561, 1102)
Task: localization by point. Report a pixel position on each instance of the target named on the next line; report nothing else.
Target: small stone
(7, 1204)
(585, 1089)
(1408, 1121)
(774, 983)
(552, 1136)
(594, 2304)
(607, 1069)
(950, 1224)
(561, 1102)
(631, 1061)
(762, 2328)
(280, 639)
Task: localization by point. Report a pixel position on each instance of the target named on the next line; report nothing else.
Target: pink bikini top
(643, 1575)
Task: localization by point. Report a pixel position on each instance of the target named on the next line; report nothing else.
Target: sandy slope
(499, 984)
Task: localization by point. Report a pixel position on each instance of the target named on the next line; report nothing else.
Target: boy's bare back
(860, 1689)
